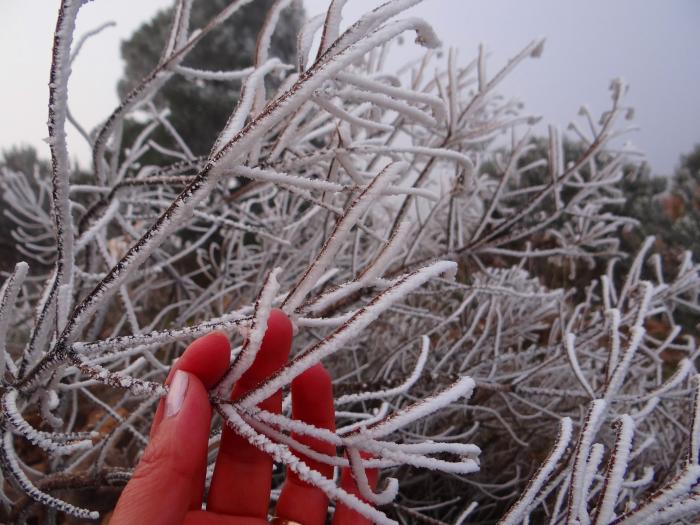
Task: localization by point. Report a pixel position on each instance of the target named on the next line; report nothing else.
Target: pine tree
(198, 109)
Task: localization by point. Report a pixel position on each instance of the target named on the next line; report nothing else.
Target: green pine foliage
(198, 109)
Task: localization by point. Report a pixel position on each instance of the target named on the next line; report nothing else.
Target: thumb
(166, 482)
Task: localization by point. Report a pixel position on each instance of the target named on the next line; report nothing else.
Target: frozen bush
(382, 213)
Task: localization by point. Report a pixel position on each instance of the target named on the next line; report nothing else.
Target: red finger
(243, 474)
(209, 518)
(173, 447)
(169, 479)
(312, 402)
(344, 515)
(207, 358)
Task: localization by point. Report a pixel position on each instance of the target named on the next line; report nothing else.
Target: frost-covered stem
(179, 28)
(287, 424)
(675, 489)
(593, 421)
(245, 106)
(352, 117)
(636, 336)
(117, 379)
(51, 442)
(262, 51)
(404, 387)
(340, 231)
(573, 360)
(284, 178)
(8, 297)
(226, 322)
(675, 511)
(694, 444)
(684, 368)
(366, 25)
(635, 269)
(615, 474)
(613, 316)
(594, 460)
(239, 74)
(178, 211)
(106, 477)
(305, 40)
(519, 510)
(463, 388)
(350, 329)
(331, 25)
(384, 258)
(292, 443)
(411, 113)
(380, 414)
(359, 474)
(391, 454)
(416, 97)
(44, 317)
(246, 356)
(466, 513)
(282, 454)
(11, 467)
(60, 166)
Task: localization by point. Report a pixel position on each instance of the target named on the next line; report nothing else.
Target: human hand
(167, 486)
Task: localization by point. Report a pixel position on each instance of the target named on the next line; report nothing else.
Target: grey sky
(653, 45)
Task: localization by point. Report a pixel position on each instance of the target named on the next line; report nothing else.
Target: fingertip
(218, 337)
(280, 327)
(312, 395)
(315, 377)
(273, 353)
(207, 357)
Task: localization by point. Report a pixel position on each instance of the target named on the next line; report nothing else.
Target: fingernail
(176, 393)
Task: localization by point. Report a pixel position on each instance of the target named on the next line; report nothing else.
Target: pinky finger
(312, 402)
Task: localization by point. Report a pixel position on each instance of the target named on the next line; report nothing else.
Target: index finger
(169, 478)
(206, 357)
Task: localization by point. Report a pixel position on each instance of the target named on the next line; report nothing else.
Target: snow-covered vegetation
(494, 351)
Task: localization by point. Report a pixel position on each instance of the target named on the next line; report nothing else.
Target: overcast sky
(654, 45)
